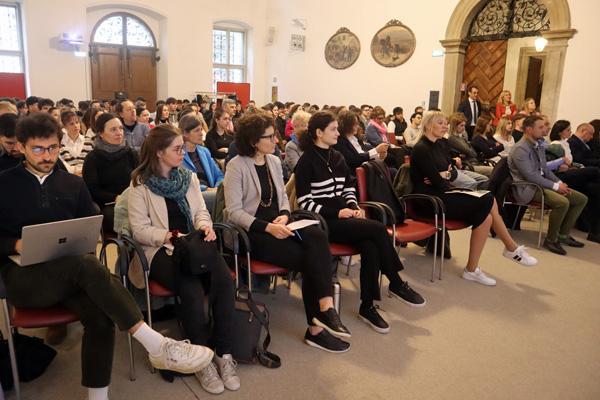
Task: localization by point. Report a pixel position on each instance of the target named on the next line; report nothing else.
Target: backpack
(217, 211)
(402, 183)
(379, 187)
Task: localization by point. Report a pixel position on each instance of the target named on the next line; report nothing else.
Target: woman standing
(431, 174)
(503, 135)
(165, 200)
(504, 107)
(324, 185)
(255, 199)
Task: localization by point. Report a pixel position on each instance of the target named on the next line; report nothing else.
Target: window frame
(228, 66)
(124, 16)
(21, 52)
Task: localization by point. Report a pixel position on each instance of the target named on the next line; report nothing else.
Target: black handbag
(33, 357)
(192, 255)
(249, 321)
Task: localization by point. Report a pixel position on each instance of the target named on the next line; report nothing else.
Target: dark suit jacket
(353, 158)
(581, 153)
(465, 108)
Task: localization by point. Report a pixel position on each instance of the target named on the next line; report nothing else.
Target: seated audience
(143, 116)
(74, 147)
(503, 135)
(164, 200)
(431, 173)
(162, 115)
(219, 137)
(7, 107)
(458, 145)
(134, 132)
(483, 142)
(528, 107)
(560, 134)
(289, 129)
(107, 169)
(504, 107)
(354, 150)
(376, 132)
(32, 103)
(79, 283)
(324, 185)
(255, 199)
(527, 163)
(412, 134)
(595, 142)
(397, 124)
(580, 147)
(517, 132)
(10, 155)
(293, 153)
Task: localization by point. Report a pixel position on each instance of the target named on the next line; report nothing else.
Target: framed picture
(393, 44)
(342, 49)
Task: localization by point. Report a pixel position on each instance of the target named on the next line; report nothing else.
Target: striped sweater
(74, 152)
(323, 183)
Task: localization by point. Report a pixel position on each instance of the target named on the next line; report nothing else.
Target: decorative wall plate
(342, 49)
(393, 44)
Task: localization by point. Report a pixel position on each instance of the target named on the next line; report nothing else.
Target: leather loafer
(571, 242)
(554, 247)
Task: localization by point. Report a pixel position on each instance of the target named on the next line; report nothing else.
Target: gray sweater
(527, 163)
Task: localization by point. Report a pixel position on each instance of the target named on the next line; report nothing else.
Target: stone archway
(455, 46)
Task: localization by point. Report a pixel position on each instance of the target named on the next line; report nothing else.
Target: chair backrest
(121, 219)
(217, 211)
(374, 184)
(290, 190)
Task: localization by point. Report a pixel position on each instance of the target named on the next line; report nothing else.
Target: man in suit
(527, 163)
(471, 108)
(582, 152)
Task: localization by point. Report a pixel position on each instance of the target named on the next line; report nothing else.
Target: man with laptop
(36, 192)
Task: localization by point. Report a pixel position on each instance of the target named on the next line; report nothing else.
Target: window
(229, 56)
(123, 29)
(11, 48)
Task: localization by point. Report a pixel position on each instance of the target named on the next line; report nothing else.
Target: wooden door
(533, 87)
(140, 79)
(107, 71)
(484, 67)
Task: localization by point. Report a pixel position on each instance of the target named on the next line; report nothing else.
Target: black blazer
(353, 158)
(465, 108)
(581, 153)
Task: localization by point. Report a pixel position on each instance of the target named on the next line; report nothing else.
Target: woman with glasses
(218, 137)
(165, 200)
(107, 169)
(255, 199)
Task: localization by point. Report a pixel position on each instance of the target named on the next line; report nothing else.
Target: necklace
(268, 204)
(324, 160)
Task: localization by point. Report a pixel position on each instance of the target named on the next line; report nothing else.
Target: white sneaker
(181, 356)
(479, 277)
(209, 379)
(226, 365)
(520, 256)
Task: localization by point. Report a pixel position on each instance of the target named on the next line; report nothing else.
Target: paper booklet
(302, 223)
(479, 193)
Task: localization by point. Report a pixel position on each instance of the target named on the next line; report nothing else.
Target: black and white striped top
(323, 182)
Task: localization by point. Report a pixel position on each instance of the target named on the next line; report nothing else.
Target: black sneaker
(406, 294)
(371, 317)
(326, 341)
(570, 241)
(331, 321)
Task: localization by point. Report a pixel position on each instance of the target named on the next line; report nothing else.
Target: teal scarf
(174, 188)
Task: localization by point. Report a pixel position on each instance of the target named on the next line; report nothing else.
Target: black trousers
(311, 257)
(192, 291)
(587, 181)
(377, 252)
(85, 286)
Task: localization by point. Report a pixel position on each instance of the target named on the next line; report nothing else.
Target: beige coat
(242, 189)
(149, 220)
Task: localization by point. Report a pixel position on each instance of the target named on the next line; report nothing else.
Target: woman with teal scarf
(165, 199)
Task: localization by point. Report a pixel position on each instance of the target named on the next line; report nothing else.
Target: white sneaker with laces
(209, 379)
(520, 256)
(226, 365)
(181, 356)
(479, 277)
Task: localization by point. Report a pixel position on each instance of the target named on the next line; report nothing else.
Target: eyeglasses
(271, 137)
(178, 149)
(39, 150)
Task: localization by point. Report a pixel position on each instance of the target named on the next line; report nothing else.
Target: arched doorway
(123, 58)
(457, 41)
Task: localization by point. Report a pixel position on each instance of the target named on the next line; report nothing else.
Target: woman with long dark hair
(324, 185)
(218, 137)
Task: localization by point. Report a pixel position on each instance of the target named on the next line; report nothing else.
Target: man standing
(471, 108)
(40, 193)
(527, 163)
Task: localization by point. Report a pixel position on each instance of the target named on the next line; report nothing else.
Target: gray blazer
(292, 155)
(527, 163)
(242, 189)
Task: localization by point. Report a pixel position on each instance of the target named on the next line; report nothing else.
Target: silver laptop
(71, 237)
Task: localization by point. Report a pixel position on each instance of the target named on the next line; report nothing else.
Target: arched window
(504, 19)
(123, 29)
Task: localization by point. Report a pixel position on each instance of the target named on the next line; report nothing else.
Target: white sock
(149, 338)
(98, 393)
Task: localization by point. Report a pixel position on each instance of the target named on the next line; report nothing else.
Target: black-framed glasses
(39, 150)
(271, 137)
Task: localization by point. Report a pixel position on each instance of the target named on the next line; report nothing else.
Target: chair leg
(337, 290)
(131, 360)
(11, 350)
(274, 284)
(443, 245)
(435, 247)
(516, 218)
(348, 265)
(541, 225)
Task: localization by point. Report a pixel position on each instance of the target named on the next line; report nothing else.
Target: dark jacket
(465, 108)
(108, 174)
(353, 158)
(486, 147)
(214, 142)
(582, 152)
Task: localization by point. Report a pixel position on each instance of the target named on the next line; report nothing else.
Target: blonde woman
(528, 107)
(503, 135)
(504, 107)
